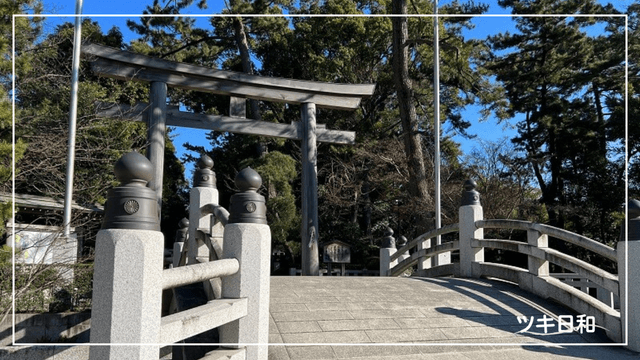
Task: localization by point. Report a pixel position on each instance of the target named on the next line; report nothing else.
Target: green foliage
(562, 80)
(76, 295)
(42, 111)
(505, 186)
(33, 285)
(27, 29)
(565, 85)
(39, 287)
(6, 212)
(278, 171)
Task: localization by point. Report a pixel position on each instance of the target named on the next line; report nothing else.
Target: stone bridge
(379, 318)
(468, 308)
(422, 318)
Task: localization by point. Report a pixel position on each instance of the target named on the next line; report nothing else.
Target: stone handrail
(428, 235)
(422, 254)
(221, 214)
(568, 236)
(600, 277)
(185, 275)
(536, 277)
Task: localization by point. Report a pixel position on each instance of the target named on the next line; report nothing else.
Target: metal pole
(73, 113)
(436, 100)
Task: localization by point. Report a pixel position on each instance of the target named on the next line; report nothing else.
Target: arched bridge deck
(422, 318)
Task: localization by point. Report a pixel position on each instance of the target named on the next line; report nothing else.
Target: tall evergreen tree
(42, 105)
(558, 77)
(229, 43)
(27, 30)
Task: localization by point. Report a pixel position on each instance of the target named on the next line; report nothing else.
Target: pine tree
(27, 30)
(558, 77)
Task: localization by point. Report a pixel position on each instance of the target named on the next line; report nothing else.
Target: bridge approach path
(379, 318)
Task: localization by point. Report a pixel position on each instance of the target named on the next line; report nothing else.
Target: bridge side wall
(629, 277)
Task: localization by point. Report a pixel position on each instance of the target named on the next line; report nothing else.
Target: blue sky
(488, 130)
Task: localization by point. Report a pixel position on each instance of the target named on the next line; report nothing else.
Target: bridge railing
(398, 261)
(129, 276)
(536, 277)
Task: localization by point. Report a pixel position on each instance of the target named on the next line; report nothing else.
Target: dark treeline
(565, 167)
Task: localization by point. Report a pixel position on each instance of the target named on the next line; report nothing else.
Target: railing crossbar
(598, 276)
(185, 275)
(426, 236)
(561, 234)
(218, 211)
(428, 252)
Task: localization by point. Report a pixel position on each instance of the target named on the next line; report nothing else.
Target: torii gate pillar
(155, 135)
(310, 257)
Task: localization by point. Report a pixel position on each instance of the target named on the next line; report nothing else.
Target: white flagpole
(73, 113)
(436, 100)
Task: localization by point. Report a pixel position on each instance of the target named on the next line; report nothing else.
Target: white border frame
(626, 171)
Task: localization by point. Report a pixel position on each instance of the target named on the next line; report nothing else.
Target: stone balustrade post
(537, 266)
(469, 213)
(605, 296)
(425, 262)
(402, 241)
(203, 192)
(387, 249)
(127, 280)
(247, 237)
(181, 238)
(629, 271)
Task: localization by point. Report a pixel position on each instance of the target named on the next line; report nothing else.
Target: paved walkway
(419, 318)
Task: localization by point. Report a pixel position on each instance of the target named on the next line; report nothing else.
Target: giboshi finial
(204, 176)
(133, 169)
(402, 241)
(205, 162)
(132, 205)
(470, 196)
(634, 209)
(470, 185)
(388, 231)
(388, 242)
(248, 180)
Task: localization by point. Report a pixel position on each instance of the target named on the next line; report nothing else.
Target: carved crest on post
(132, 205)
(248, 206)
(204, 176)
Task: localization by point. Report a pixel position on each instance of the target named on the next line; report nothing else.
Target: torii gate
(160, 73)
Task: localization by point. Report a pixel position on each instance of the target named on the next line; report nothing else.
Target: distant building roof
(35, 203)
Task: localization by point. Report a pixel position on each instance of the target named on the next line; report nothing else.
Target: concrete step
(226, 354)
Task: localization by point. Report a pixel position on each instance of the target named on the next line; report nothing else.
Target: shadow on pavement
(514, 316)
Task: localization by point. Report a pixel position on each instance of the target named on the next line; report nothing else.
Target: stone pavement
(420, 318)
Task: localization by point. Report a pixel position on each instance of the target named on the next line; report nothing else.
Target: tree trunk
(366, 188)
(247, 68)
(418, 186)
(602, 139)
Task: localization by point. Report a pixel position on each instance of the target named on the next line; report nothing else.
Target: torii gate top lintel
(131, 66)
